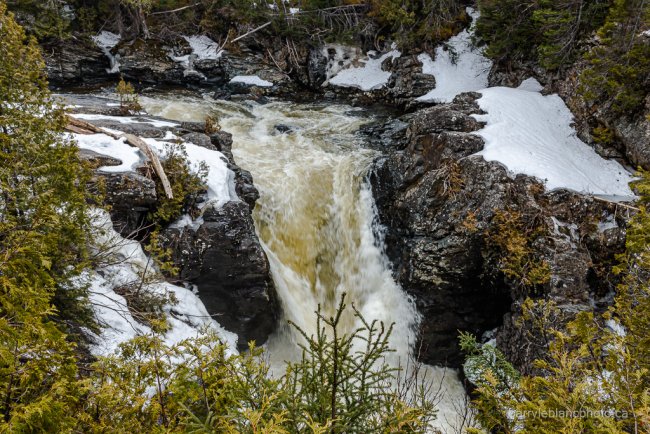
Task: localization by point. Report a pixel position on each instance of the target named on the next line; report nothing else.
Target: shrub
(129, 100)
(517, 258)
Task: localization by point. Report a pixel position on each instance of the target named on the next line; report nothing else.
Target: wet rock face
(407, 81)
(634, 133)
(225, 260)
(76, 61)
(149, 62)
(438, 201)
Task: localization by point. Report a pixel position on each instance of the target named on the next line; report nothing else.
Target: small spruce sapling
(129, 100)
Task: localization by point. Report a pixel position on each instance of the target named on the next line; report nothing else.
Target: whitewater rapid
(317, 222)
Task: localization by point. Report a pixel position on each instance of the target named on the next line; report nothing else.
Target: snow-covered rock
(251, 80)
(458, 67)
(369, 76)
(220, 179)
(125, 263)
(531, 133)
(204, 47)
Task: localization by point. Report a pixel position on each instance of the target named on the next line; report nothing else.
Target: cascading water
(316, 220)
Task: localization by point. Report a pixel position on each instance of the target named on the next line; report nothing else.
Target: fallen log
(79, 126)
(155, 161)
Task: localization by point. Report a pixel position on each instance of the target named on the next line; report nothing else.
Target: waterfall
(316, 220)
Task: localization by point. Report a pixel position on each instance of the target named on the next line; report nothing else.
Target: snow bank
(220, 179)
(106, 41)
(368, 77)
(338, 57)
(531, 133)
(126, 264)
(459, 68)
(251, 80)
(203, 48)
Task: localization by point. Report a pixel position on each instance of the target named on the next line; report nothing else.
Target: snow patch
(609, 223)
(251, 80)
(204, 47)
(125, 120)
(531, 133)
(458, 66)
(106, 39)
(531, 85)
(338, 57)
(115, 148)
(126, 264)
(368, 77)
(616, 327)
(220, 179)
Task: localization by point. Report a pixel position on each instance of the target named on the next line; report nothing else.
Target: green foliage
(45, 19)
(418, 23)
(514, 243)
(506, 26)
(186, 183)
(603, 135)
(87, 18)
(596, 374)
(619, 67)
(341, 384)
(44, 229)
(486, 361)
(343, 380)
(548, 31)
(129, 100)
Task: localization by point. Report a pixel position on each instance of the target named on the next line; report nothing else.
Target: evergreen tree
(43, 234)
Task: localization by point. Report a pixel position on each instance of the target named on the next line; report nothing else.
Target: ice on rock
(251, 80)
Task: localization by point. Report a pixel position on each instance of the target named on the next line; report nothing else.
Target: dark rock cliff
(220, 253)
(439, 202)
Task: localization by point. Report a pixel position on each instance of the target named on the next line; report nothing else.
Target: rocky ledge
(446, 211)
(219, 252)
